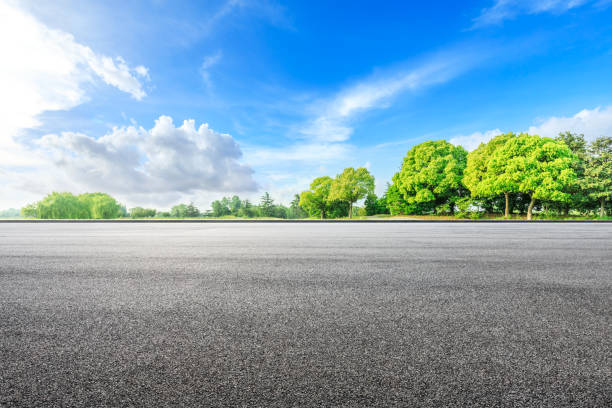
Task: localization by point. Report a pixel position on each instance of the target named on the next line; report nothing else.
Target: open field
(306, 314)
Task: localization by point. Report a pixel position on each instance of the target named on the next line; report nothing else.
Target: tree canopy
(351, 186)
(431, 176)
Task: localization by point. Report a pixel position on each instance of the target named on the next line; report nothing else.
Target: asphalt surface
(282, 315)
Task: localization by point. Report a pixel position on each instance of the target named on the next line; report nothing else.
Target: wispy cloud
(502, 10)
(333, 118)
(208, 63)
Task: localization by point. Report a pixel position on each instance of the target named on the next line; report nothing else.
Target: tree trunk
(322, 214)
(566, 210)
(530, 209)
(351, 210)
(602, 210)
(507, 213)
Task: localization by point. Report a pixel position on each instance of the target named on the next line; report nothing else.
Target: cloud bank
(164, 161)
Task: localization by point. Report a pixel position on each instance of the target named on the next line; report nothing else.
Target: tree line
(509, 174)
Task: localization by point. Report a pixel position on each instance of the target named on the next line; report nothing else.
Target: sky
(159, 102)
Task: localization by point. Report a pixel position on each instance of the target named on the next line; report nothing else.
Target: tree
(374, 205)
(395, 199)
(295, 210)
(192, 211)
(538, 166)
(179, 211)
(316, 200)
(139, 212)
(235, 205)
(598, 174)
(579, 196)
(267, 205)
(220, 208)
(477, 177)
(62, 206)
(351, 186)
(29, 211)
(431, 176)
(100, 205)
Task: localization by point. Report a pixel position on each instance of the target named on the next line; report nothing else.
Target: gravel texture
(284, 315)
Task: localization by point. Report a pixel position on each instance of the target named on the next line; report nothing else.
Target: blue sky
(96, 93)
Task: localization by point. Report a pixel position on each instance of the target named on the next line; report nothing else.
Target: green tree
(30, 211)
(598, 174)
(477, 177)
(316, 200)
(295, 210)
(101, 205)
(431, 176)
(220, 208)
(266, 205)
(579, 196)
(538, 166)
(235, 205)
(192, 211)
(62, 206)
(179, 211)
(351, 186)
(139, 212)
(395, 201)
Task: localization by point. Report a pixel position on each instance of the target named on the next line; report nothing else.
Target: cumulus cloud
(502, 10)
(165, 160)
(44, 69)
(471, 142)
(590, 122)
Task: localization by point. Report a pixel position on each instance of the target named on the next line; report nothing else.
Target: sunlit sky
(160, 102)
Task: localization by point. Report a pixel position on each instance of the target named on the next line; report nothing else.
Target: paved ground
(281, 315)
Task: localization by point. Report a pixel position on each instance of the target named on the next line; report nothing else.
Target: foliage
(598, 173)
(266, 206)
(374, 205)
(540, 167)
(351, 186)
(431, 177)
(9, 213)
(316, 200)
(69, 206)
(139, 212)
(185, 211)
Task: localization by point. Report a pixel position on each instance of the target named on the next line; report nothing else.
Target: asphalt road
(281, 315)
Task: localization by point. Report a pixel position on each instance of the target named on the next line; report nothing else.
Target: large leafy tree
(101, 205)
(598, 173)
(351, 186)
(479, 179)
(538, 166)
(316, 200)
(431, 176)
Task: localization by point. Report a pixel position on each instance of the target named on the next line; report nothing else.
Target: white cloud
(591, 122)
(471, 142)
(508, 9)
(165, 161)
(208, 63)
(44, 70)
(332, 121)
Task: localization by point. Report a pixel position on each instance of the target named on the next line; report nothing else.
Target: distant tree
(247, 210)
(139, 212)
(540, 167)
(267, 205)
(316, 200)
(101, 205)
(179, 211)
(9, 213)
(598, 174)
(235, 205)
(220, 208)
(431, 176)
(295, 210)
(192, 211)
(351, 186)
(30, 211)
(62, 206)
(374, 205)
